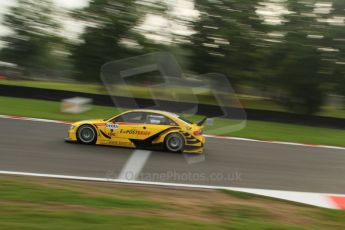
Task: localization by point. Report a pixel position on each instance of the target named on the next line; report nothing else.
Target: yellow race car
(146, 129)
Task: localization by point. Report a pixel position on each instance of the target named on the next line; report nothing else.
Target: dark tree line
(297, 61)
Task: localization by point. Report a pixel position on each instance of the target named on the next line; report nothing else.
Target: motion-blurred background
(291, 53)
(285, 59)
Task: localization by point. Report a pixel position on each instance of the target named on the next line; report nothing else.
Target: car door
(120, 130)
(127, 126)
(154, 123)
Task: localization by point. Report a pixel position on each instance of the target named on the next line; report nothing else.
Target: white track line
(206, 135)
(134, 165)
(34, 119)
(315, 199)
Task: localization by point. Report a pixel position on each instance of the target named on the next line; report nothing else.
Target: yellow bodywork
(142, 135)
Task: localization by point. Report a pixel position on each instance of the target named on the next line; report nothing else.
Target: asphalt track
(38, 147)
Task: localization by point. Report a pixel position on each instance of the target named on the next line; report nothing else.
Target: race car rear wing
(200, 123)
(209, 122)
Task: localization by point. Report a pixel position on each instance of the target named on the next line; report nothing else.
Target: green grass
(50, 110)
(284, 132)
(246, 217)
(14, 191)
(250, 102)
(35, 203)
(332, 215)
(54, 209)
(252, 129)
(239, 212)
(25, 219)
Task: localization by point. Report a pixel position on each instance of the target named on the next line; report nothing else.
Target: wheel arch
(90, 125)
(164, 135)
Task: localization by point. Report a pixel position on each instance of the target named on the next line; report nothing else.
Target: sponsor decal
(122, 143)
(133, 132)
(112, 126)
(145, 133)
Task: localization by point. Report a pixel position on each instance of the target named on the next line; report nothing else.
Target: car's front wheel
(174, 142)
(86, 134)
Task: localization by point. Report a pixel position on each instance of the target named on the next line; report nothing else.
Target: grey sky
(152, 23)
(70, 4)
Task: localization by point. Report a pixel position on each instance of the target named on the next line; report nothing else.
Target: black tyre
(174, 142)
(86, 134)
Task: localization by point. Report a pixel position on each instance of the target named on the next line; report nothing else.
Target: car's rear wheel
(86, 134)
(174, 142)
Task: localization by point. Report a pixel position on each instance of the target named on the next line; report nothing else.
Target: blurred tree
(33, 32)
(337, 31)
(110, 34)
(301, 80)
(289, 49)
(224, 39)
(306, 69)
(294, 50)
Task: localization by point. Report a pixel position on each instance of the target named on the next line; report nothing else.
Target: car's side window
(131, 117)
(158, 119)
